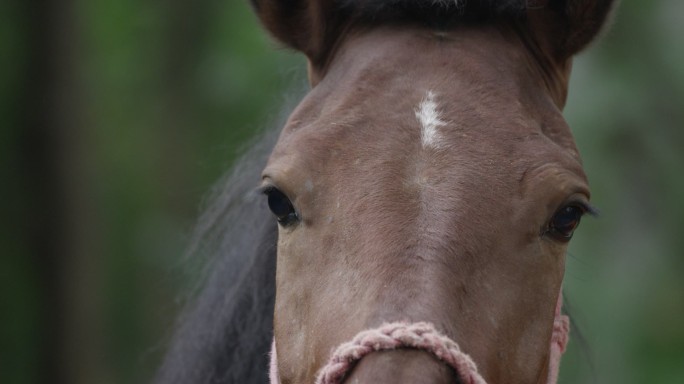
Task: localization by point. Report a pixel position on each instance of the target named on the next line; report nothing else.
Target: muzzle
(425, 337)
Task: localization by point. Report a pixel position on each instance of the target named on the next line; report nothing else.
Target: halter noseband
(390, 336)
(422, 336)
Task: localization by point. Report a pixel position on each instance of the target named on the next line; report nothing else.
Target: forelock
(431, 11)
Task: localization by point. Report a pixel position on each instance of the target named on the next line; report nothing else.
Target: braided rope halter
(399, 335)
(422, 336)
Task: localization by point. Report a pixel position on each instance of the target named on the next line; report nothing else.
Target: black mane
(225, 333)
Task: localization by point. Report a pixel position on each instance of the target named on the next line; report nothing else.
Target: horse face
(428, 176)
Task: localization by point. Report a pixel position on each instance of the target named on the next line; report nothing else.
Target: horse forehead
(386, 98)
(426, 124)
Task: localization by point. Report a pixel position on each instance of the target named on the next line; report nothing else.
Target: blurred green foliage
(624, 269)
(166, 94)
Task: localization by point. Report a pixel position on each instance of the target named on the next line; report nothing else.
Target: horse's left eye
(281, 207)
(565, 221)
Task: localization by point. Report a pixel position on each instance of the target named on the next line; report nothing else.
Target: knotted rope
(399, 335)
(559, 341)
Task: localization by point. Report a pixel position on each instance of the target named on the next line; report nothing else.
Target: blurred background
(116, 118)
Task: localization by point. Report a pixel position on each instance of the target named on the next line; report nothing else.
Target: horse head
(427, 179)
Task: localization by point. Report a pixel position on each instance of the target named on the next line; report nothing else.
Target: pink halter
(421, 336)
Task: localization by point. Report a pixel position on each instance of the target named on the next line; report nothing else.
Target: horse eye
(565, 221)
(281, 207)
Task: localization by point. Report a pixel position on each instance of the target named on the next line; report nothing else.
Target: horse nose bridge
(419, 286)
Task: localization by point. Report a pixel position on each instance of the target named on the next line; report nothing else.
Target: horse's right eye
(281, 207)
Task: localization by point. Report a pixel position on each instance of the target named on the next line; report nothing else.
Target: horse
(409, 222)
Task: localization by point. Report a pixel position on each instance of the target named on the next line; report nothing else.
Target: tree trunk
(62, 225)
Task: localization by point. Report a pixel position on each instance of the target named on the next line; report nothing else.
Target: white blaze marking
(428, 116)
